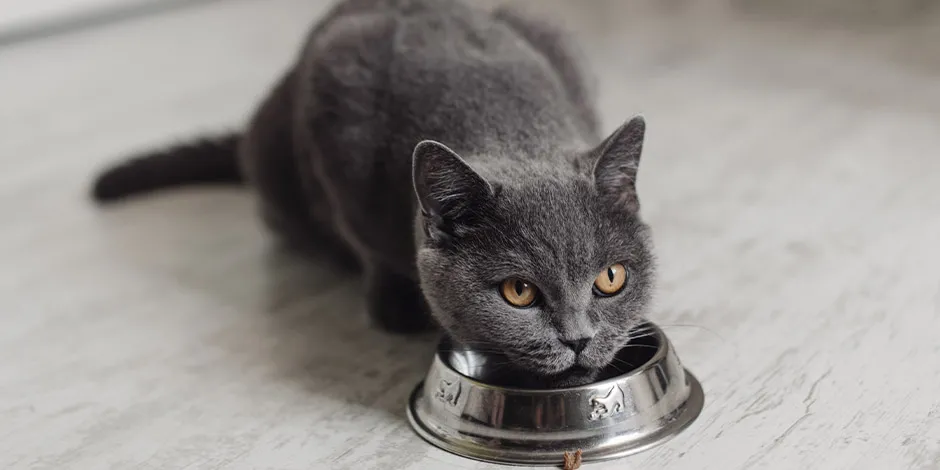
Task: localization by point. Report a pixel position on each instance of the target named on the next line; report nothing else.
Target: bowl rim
(660, 354)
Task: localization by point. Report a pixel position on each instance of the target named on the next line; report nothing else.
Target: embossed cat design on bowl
(460, 408)
(609, 404)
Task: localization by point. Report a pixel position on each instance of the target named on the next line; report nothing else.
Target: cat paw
(396, 305)
(401, 322)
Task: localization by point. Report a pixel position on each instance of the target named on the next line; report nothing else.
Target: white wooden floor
(792, 177)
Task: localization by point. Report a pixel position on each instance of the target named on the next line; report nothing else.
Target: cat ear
(448, 189)
(617, 162)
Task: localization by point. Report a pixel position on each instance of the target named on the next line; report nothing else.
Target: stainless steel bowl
(455, 410)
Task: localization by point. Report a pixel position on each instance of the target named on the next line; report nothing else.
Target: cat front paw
(396, 305)
(400, 321)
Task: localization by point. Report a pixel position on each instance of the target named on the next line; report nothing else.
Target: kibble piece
(572, 460)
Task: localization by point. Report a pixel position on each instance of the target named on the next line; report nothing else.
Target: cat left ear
(448, 189)
(617, 162)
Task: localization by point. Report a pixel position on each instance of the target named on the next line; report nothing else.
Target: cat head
(545, 263)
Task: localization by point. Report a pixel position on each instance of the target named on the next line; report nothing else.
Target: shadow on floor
(300, 316)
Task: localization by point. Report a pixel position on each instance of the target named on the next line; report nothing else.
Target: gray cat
(516, 228)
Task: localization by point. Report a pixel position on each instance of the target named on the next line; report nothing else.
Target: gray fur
(520, 184)
(511, 177)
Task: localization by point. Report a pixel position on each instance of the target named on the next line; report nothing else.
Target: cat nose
(576, 345)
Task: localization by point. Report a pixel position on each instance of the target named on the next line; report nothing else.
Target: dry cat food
(572, 460)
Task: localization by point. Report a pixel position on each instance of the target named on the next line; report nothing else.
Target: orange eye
(518, 293)
(611, 280)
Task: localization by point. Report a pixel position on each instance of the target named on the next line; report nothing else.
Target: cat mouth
(578, 370)
(580, 366)
(592, 363)
(574, 376)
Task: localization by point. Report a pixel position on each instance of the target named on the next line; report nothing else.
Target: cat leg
(395, 302)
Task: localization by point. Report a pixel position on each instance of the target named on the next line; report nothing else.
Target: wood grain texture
(791, 176)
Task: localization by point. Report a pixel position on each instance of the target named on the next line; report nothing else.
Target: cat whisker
(689, 325)
(491, 364)
(617, 368)
(617, 359)
(649, 346)
(471, 343)
(642, 330)
(636, 337)
(490, 351)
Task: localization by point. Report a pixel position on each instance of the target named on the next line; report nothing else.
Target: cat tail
(203, 161)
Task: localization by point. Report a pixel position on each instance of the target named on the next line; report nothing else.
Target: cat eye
(611, 280)
(518, 293)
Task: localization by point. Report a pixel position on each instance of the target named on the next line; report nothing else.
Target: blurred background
(791, 176)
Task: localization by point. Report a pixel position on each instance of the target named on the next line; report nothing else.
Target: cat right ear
(618, 159)
(449, 191)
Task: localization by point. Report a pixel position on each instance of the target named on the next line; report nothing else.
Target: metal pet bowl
(620, 414)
